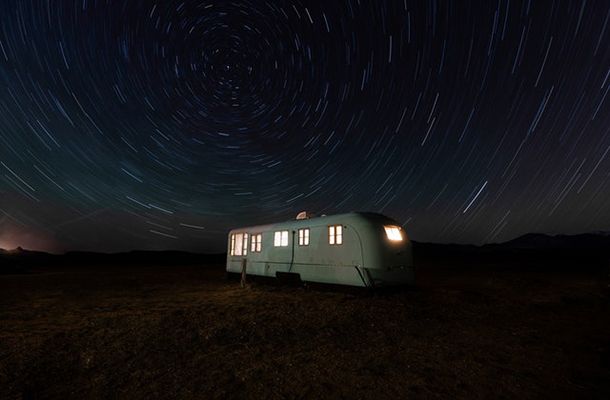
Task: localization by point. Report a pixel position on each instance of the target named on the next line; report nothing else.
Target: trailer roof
(316, 221)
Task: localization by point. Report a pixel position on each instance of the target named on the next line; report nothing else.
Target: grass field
(184, 332)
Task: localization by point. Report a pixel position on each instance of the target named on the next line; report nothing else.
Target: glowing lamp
(393, 233)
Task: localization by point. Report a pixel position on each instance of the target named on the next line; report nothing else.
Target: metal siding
(365, 248)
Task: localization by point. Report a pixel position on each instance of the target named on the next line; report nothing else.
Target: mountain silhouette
(597, 240)
(532, 249)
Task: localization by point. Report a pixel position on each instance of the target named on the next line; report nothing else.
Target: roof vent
(303, 215)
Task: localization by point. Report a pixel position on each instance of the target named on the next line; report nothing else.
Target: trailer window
(335, 234)
(280, 239)
(257, 242)
(393, 233)
(304, 237)
(239, 244)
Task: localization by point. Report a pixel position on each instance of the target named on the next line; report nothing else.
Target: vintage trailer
(357, 249)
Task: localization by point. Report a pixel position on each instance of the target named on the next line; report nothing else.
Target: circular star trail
(161, 125)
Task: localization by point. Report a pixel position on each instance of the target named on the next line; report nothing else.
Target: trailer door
(281, 254)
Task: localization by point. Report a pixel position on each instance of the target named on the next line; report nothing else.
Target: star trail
(161, 125)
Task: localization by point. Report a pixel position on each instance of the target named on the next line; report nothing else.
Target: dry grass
(184, 332)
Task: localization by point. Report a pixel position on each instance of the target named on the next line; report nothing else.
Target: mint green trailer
(356, 249)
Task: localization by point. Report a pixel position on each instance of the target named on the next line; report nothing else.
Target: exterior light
(393, 233)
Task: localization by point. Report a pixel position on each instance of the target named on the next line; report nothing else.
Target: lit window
(245, 244)
(237, 244)
(259, 242)
(304, 237)
(335, 234)
(256, 243)
(280, 239)
(393, 233)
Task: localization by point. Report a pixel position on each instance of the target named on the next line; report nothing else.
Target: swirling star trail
(160, 125)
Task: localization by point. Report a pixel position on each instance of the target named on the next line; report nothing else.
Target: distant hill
(533, 249)
(597, 240)
(19, 260)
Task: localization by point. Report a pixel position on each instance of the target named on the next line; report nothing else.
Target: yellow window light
(393, 233)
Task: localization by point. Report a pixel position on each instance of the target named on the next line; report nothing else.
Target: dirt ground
(185, 332)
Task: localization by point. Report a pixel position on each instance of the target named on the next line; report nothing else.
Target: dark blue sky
(160, 125)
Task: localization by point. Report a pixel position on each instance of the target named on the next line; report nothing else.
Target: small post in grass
(243, 272)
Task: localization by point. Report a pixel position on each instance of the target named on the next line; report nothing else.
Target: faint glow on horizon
(7, 244)
(12, 238)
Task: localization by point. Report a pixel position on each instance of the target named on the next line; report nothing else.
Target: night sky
(161, 125)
